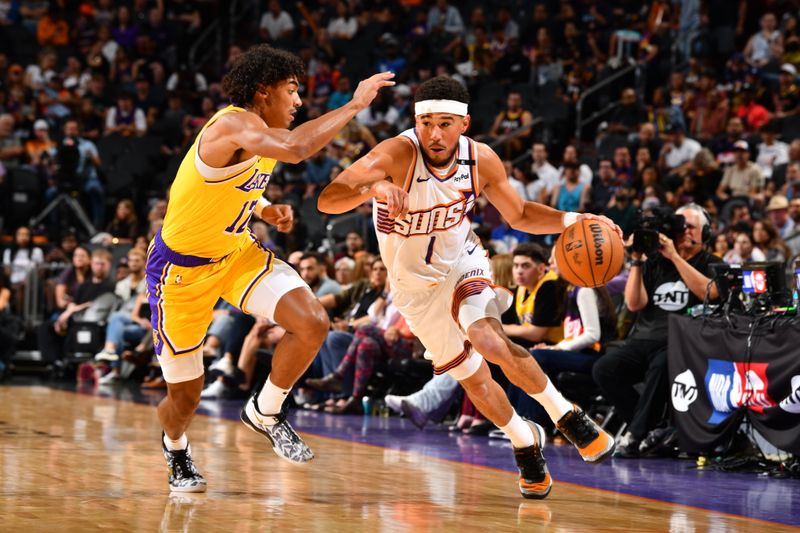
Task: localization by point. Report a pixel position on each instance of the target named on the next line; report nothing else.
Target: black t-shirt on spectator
(667, 293)
(90, 291)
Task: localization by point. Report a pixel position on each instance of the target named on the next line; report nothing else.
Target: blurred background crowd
(603, 106)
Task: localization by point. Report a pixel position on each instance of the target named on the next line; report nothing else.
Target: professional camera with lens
(653, 222)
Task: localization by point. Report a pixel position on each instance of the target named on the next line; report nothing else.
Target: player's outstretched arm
(293, 146)
(376, 175)
(530, 217)
(523, 215)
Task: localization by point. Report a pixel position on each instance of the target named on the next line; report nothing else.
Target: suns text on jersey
(257, 180)
(423, 222)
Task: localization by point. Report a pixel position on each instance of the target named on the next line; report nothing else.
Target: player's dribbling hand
(605, 220)
(368, 89)
(280, 216)
(396, 199)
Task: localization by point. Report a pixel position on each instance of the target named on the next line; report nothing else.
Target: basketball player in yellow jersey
(205, 251)
(424, 182)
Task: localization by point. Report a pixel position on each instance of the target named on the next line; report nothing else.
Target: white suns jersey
(420, 249)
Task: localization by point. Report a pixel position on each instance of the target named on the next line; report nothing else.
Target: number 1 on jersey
(429, 254)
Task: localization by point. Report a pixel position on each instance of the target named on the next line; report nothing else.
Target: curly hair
(260, 66)
(441, 88)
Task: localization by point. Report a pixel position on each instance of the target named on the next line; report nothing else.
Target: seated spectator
(743, 179)
(19, 261)
(386, 337)
(766, 46)
(122, 329)
(671, 282)
(539, 305)
(604, 185)
(751, 112)
(771, 151)
(353, 244)
(767, 239)
(571, 156)
(342, 94)
(51, 333)
(678, 152)
(723, 146)
(571, 195)
(510, 120)
(125, 119)
(62, 253)
(41, 149)
(11, 149)
(344, 268)
(318, 172)
(791, 187)
(622, 210)
(276, 24)
(314, 271)
(786, 99)
(344, 25)
(744, 251)
(350, 309)
(71, 279)
(589, 324)
(547, 177)
(778, 214)
(124, 227)
(720, 246)
(628, 115)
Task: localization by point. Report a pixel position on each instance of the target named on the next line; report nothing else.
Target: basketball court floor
(90, 460)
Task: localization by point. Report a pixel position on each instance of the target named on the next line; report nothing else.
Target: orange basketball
(589, 253)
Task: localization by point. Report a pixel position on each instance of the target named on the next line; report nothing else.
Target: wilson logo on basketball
(599, 241)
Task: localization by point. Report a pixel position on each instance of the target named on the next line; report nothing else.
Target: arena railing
(580, 122)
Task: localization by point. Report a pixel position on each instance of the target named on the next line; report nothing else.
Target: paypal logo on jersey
(257, 181)
(732, 385)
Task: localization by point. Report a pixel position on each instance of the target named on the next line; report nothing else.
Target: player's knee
(185, 401)
(317, 325)
(491, 346)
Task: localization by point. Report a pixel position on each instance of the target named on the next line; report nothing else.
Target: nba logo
(759, 281)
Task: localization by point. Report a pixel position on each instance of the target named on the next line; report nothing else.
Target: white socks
(271, 398)
(555, 404)
(174, 445)
(519, 431)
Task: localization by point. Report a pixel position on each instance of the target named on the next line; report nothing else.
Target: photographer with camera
(669, 274)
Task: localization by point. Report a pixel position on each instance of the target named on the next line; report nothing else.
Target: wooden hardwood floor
(71, 462)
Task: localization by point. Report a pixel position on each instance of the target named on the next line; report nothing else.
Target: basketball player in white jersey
(424, 182)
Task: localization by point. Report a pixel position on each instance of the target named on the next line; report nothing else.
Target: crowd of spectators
(99, 101)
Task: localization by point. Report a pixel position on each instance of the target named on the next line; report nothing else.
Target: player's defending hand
(396, 198)
(368, 89)
(280, 216)
(604, 220)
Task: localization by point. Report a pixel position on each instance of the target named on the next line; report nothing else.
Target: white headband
(440, 106)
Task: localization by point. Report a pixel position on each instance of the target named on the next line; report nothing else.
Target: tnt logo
(733, 385)
(684, 391)
(672, 296)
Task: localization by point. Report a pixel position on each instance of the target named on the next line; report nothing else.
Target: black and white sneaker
(285, 441)
(183, 476)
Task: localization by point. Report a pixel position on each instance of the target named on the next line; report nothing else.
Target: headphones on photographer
(706, 234)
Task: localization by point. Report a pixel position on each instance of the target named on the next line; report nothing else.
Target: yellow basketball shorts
(183, 290)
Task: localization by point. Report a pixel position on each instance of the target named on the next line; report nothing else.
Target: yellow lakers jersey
(526, 303)
(209, 207)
